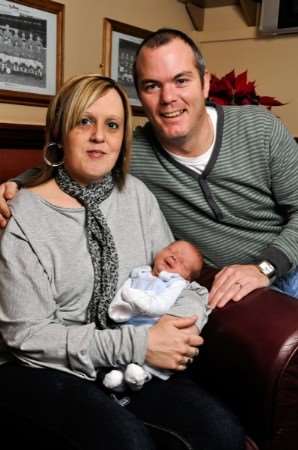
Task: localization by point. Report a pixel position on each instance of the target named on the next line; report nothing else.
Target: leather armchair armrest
(250, 359)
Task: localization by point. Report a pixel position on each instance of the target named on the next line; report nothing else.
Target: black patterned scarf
(100, 243)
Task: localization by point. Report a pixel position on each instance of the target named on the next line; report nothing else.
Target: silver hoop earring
(55, 149)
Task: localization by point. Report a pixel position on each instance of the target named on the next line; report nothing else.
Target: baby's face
(179, 257)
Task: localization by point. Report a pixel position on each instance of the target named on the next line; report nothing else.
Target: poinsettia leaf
(230, 78)
(249, 101)
(227, 87)
(219, 100)
(213, 79)
(241, 81)
(269, 101)
(221, 87)
(215, 84)
(236, 90)
(250, 88)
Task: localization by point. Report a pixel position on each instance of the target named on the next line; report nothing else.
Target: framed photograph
(31, 51)
(120, 44)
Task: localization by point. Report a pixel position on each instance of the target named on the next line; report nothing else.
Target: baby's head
(181, 257)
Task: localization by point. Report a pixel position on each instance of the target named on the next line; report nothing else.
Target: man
(225, 177)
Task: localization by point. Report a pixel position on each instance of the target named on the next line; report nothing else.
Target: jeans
(288, 283)
(38, 406)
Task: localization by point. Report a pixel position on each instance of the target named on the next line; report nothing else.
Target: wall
(228, 43)
(83, 38)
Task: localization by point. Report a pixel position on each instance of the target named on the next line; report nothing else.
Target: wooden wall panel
(20, 148)
(15, 161)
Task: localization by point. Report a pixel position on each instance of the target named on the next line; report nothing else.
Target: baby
(150, 293)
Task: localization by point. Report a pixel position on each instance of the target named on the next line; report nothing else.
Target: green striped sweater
(244, 207)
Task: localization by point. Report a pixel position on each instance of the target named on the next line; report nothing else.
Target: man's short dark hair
(164, 36)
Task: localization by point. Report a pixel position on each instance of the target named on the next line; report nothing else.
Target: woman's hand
(173, 342)
(7, 191)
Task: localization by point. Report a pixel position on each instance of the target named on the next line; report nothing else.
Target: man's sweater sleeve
(25, 177)
(283, 251)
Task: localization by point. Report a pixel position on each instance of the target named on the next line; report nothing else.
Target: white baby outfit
(142, 299)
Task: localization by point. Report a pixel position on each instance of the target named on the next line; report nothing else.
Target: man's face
(172, 94)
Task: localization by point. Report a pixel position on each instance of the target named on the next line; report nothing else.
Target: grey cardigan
(46, 280)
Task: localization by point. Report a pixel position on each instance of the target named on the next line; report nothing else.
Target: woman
(76, 233)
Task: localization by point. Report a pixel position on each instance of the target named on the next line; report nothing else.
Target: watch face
(266, 268)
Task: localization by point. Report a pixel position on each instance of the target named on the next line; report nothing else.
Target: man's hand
(170, 345)
(234, 283)
(7, 191)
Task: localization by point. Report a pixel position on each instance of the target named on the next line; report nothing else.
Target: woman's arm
(32, 323)
(35, 331)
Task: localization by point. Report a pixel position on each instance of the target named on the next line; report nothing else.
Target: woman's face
(91, 148)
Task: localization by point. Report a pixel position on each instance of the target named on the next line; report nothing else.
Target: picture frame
(120, 43)
(31, 51)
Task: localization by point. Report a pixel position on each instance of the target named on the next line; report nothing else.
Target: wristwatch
(266, 268)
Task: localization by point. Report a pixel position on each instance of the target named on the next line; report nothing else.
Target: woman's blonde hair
(66, 110)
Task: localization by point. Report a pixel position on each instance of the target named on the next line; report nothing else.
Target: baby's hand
(140, 299)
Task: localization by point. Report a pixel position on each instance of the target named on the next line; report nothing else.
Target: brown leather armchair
(250, 360)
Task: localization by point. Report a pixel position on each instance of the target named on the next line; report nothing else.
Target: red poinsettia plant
(234, 89)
